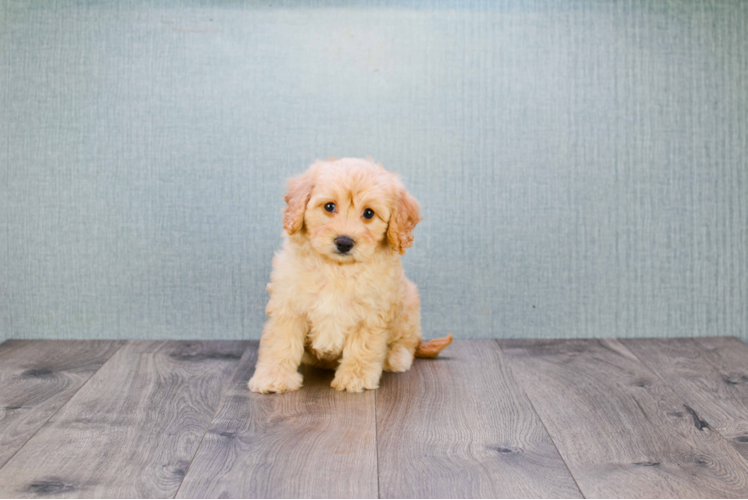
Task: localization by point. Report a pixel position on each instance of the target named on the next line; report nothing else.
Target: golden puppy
(338, 295)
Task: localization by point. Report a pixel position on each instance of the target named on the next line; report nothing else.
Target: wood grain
(461, 426)
(621, 430)
(313, 443)
(632, 418)
(37, 378)
(132, 430)
(710, 374)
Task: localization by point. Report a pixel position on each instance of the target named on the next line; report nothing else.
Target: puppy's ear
(299, 192)
(403, 220)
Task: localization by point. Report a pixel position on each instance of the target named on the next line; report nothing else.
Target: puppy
(338, 296)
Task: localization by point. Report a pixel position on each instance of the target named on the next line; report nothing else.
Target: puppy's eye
(368, 213)
(330, 207)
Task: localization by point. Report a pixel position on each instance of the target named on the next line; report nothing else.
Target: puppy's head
(349, 208)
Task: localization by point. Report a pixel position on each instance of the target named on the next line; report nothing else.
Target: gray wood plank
(312, 443)
(460, 426)
(710, 374)
(132, 430)
(37, 377)
(621, 430)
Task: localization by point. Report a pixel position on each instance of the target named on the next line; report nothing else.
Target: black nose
(344, 244)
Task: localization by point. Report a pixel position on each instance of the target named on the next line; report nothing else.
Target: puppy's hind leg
(399, 358)
(406, 333)
(407, 337)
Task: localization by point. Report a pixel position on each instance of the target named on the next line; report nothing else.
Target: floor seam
(376, 440)
(215, 412)
(545, 427)
(46, 422)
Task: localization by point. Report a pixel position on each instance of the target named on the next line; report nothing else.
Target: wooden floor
(532, 418)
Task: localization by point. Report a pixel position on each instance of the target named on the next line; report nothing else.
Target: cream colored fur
(355, 312)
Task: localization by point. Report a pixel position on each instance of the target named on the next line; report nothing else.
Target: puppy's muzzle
(344, 244)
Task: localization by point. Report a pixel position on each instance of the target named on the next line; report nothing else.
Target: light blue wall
(582, 166)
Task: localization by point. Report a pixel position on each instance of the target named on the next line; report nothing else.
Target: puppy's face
(349, 208)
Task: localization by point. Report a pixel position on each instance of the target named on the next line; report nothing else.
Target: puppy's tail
(432, 348)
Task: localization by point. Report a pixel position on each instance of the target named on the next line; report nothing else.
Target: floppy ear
(403, 220)
(299, 192)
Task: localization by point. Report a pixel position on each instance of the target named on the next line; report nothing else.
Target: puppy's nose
(344, 244)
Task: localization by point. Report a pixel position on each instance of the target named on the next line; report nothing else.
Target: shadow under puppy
(338, 296)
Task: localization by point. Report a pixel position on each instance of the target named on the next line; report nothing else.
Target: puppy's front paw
(275, 381)
(347, 380)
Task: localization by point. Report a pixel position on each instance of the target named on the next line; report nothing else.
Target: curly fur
(356, 312)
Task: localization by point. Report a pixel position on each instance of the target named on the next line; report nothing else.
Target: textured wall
(581, 165)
